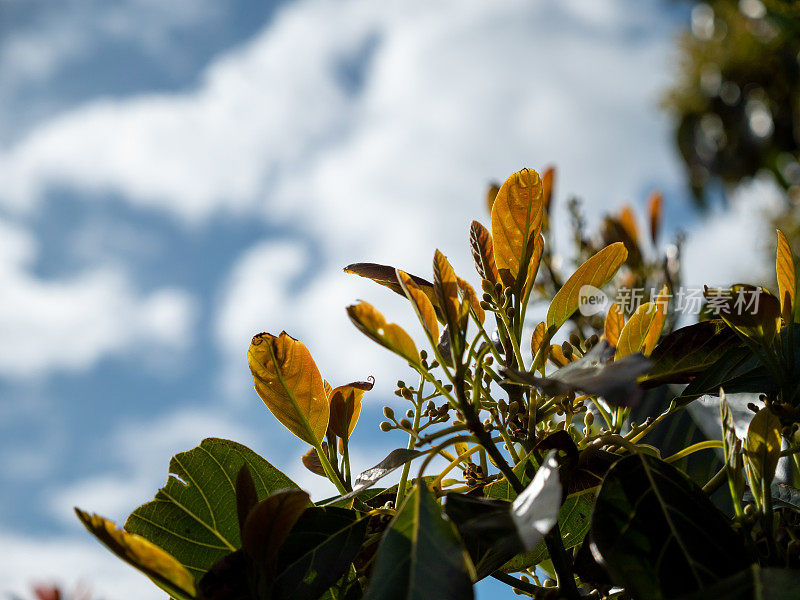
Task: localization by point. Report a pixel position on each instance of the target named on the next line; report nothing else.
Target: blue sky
(177, 176)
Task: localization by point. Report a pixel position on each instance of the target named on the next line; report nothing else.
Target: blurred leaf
(548, 183)
(614, 323)
(784, 267)
(491, 195)
(658, 533)
(421, 303)
(288, 381)
(162, 568)
(389, 335)
(421, 556)
(596, 271)
(387, 277)
(762, 449)
(654, 211)
(480, 242)
(194, 516)
(370, 477)
(346, 406)
(628, 221)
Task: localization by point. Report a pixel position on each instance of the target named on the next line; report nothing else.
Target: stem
(401, 487)
(694, 448)
(328, 468)
(516, 583)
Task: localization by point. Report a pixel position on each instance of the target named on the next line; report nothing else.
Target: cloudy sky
(177, 176)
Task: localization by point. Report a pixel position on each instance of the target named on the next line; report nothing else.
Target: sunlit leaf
(445, 284)
(784, 267)
(160, 566)
(387, 277)
(762, 448)
(596, 271)
(396, 458)
(480, 243)
(628, 221)
(642, 330)
(469, 295)
(183, 520)
(535, 510)
(615, 321)
(491, 195)
(288, 381)
(537, 339)
(654, 211)
(346, 406)
(311, 461)
(421, 303)
(732, 448)
(389, 335)
(751, 311)
(516, 221)
(556, 356)
(421, 556)
(548, 183)
(661, 302)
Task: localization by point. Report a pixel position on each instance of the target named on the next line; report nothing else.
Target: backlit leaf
(161, 567)
(548, 183)
(661, 302)
(784, 267)
(491, 195)
(469, 295)
(537, 339)
(615, 321)
(644, 324)
(751, 311)
(596, 271)
(762, 448)
(311, 461)
(346, 406)
(445, 284)
(421, 303)
(654, 210)
(387, 277)
(535, 510)
(516, 220)
(389, 335)
(288, 381)
(480, 243)
(628, 221)
(396, 458)
(732, 448)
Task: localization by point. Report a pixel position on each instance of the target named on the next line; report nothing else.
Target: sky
(178, 176)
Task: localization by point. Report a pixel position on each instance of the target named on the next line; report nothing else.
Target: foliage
(548, 485)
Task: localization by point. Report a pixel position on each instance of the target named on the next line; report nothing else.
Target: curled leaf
(387, 277)
(389, 335)
(615, 321)
(288, 381)
(784, 267)
(162, 568)
(480, 243)
(421, 303)
(595, 272)
(346, 406)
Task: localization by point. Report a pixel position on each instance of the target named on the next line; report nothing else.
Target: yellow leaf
(596, 271)
(288, 381)
(445, 285)
(762, 449)
(471, 297)
(162, 568)
(784, 267)
(751, 311)
(533, 267)
(548, 183)
(615, 321)
(491, 194)
(636, 330)
(516, 220)
(557, 357)
(480, 242)
(538, 338)
(346, 406)
(628, 221)
(389, 335)
(654, 210)
(387, 277)
(421, 303)
(651, 339)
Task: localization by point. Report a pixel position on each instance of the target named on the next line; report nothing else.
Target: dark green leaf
(754, 583)
(658, 533)
(194, 516)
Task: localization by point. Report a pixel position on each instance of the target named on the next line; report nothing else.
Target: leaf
(596, 271)
(311, 461)
(421, 303)
(396, 458)
(318, 551)
(502, 490)
(784, 268)
(491, 195)
(516, 221)
(468, 295)
(655, 210)
(615, 321)
(688, 351)
(658, 533)
(386, 276)
(661, 302)
(642, 330)
(346, 406)
(389, 335)
(194, 516)
(535, 510)
(762, 449)
(548, 183)
(162, 568)
(628, 221)
(732, 448)
(445, 284)
(480, 243)
(288, 381)
(421, 556)
(754, 583)
(751, 311)
(537, 339)
(246, 495)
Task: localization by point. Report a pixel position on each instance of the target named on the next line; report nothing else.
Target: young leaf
(161, 567)
(491, 195)
(548, 183)
(732, 447)
(480, 243)
(421, 555)
(656, 327)
(346, 406)
(183, 520)
(654, 210)
(468, 294)
(311, 461)
(445, 284)
(516, 220)
(537, 339)
(389, 335)
(397, 458)
(752, 312)
(421, 303)
(642, 330)
(596, 271)
(535, 510)
(628, 221)
(615, 321)
(387, 277)
(784, 267)
(288, 381)
(762, 449)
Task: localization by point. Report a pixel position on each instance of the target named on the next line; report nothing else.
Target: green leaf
(659, 534)
(194, 516)
(751, 311)
(421, 556)
(762, 449)
(318, 551)
(502, 490)
(596, 272)
(754, 583)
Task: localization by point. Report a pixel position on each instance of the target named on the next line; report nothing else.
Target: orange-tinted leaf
(661, 302)
(346, 406)
(421, 303)
(480, 242)
(288, 381)
(387, 277)
(636, 330)
(471, 297)
(548, 183)
(312, 463)
(556, 356)
(596, 272)
(538, 338)
(615, 321)
(491, 194)
(516, 219)
(162, 568)
(389, 335)
(654, 211)
(628, 221)
(445, 284)
(784, 267)
(762, 450)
